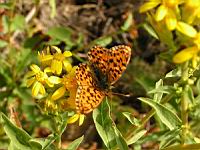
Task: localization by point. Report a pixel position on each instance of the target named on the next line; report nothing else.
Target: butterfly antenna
(119, 94)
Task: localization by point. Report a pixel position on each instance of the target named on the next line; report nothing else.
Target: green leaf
(13, 147)
(62, 34)
(46, 143)
(18, 23)
(103, 124)
(32, 42)
(35, 145)
(103, 41)
(161, 91)
(150, 30)
(169, 118)
(3, 43)
(23, 60)
(19, 138)
(53, 42)
(106, 128)
(74, 145)
(5, 23)
(184, 147)
(4, 141)
(167, 138)
(6, 5)
(128, 22)
(5, 72)
(198, 86)
(136, 137)
(63, 126)
(158, 95)
(120, 140)
(131, 118)
(189, 94)
(52, 3)
(153, 137)
(145, 81)
(174, 73)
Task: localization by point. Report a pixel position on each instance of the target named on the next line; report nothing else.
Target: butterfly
(94, 79)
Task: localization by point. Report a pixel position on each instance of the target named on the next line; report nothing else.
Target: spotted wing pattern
(88, 96)
(119, 57)
(98, 56)
(106, 65)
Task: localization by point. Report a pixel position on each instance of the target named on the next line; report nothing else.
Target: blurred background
(26, 27)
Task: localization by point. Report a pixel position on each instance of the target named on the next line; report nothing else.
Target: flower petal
(67, 65)
(36, 88)
(35, 68)
(161, 13)
(42, 90)
(30, 74)
(53, 66)
(73, 119)
(58, 93)
(50, 84)
(171, 21)
(67, 54)
(186, 29)
(81, 119)
(47, 70)
(197, 40)
(57, 49)
(58, 67)
(46, 58)
(30, 81)
(194, 61)
(185, 54)
(55, 79)
(149, 5)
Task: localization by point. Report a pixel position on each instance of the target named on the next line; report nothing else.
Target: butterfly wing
(98, 56)
(111, 62)
(88, 96)
(119, 57)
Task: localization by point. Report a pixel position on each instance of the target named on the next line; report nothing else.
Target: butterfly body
(95, 79)
(101, 79)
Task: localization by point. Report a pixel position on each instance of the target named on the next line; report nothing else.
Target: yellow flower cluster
(54, 82)
(180, 15)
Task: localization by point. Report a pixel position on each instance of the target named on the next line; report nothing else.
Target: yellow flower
(167, 11)
(192, 51)
(186, 54)
(186, 29)
(75, 118)
(57, 60)
(50, 106)
(196, 40)
(69, 84)
(149, 5)
(191, 10)
(38, 79)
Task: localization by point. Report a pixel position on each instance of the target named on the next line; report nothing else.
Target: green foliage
(107, 129)
(74, 145)
(3, 43)
(162, 110)
(17, 23)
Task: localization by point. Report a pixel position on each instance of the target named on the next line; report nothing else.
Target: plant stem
(59, 142)
(184, 103)
(56, 126)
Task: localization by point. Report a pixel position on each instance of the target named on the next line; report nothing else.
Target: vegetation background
(27, 27)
